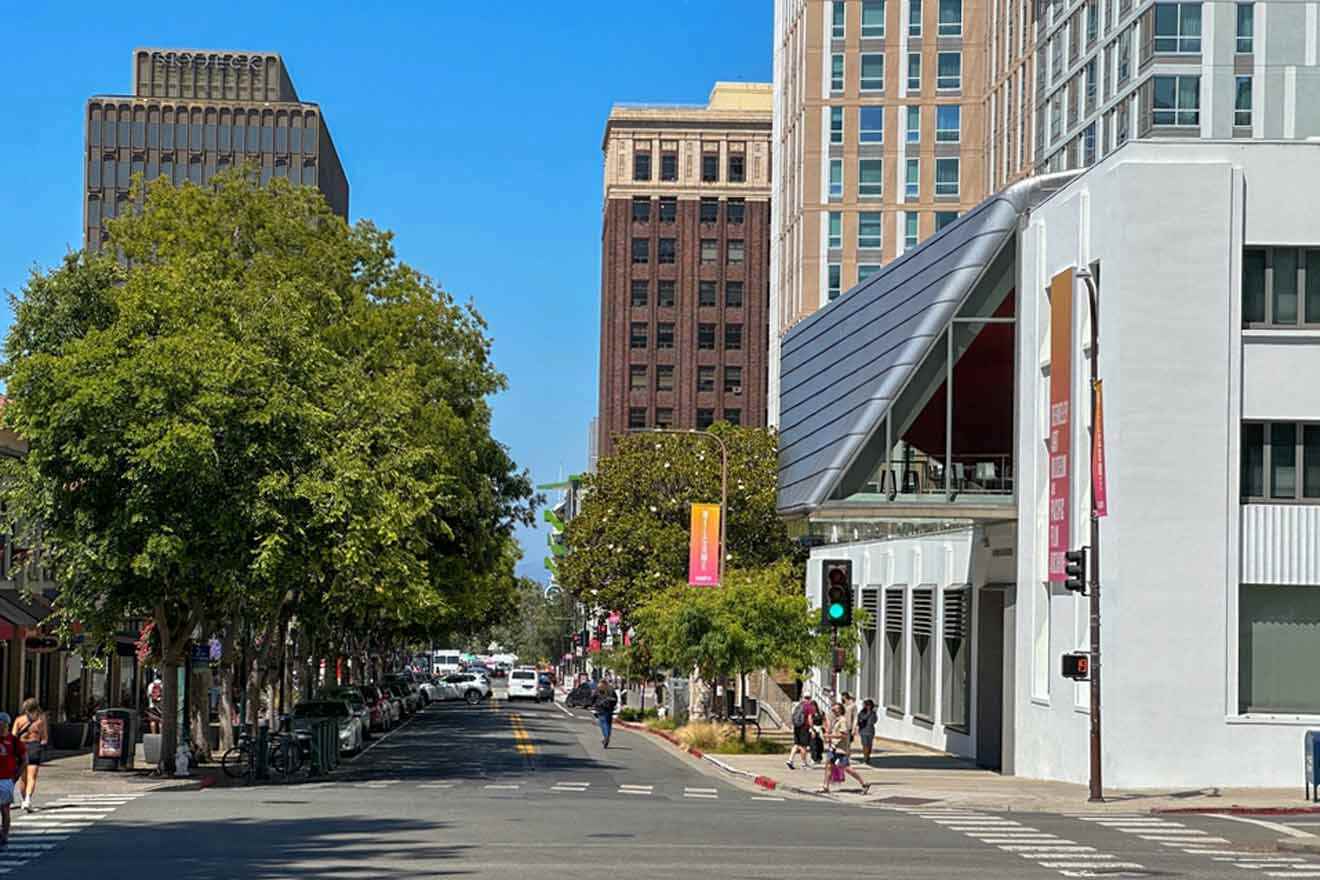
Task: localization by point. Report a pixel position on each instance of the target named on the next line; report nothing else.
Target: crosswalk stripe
(1093, 865)
(762, 797)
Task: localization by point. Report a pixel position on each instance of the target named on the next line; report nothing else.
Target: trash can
(114, 739)
(1311, 758)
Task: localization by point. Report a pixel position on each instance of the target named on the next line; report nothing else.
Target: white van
(446, 662)
(522, 684)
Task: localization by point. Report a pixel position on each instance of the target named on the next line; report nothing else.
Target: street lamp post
(724, 483)
(1097, 782)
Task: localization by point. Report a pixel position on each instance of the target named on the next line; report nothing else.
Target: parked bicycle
(284, 757)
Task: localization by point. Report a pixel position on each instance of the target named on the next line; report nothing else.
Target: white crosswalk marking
(37, 833)
(501, 787)
(700, 793)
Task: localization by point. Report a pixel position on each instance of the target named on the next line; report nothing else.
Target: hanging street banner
(1060, 518)
(704, 552)
(1099, 490)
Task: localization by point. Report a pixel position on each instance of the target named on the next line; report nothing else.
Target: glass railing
(968, 475)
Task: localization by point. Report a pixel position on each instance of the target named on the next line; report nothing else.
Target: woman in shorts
(30, 727)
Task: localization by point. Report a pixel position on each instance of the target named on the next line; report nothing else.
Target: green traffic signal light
(836, 611)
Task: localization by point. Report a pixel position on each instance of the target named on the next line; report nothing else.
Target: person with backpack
(819, 730)
(603, 704)
(802, 716)
(13, 761)
(839, 764)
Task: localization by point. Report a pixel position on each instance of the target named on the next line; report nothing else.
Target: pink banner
(1060, 476)
(1099, 489)
(704, 552)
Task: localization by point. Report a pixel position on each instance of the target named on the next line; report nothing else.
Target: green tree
(630, 539)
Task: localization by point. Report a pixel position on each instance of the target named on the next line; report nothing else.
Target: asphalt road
(526, 791)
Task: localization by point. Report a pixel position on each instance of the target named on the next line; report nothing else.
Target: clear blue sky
(472, 130)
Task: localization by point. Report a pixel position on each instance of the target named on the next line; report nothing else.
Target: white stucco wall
(1167, 222)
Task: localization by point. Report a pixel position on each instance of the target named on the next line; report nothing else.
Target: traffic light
(1077, 666)
(1075, 570)
(836, 601)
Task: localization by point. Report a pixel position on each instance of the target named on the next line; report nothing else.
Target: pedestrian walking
(31, 729)
(13, 760)
(603, 704)
(838, 763)
(818, 721)
(866, 729)
(850, 711)
(803, 712)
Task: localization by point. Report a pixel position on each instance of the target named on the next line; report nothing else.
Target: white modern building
(916, 436)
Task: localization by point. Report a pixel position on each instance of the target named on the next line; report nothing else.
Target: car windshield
(523, 675)
(325, 709)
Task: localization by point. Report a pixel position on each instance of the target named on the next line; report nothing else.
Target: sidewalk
(68, 773)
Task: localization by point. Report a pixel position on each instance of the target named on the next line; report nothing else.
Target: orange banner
(1099, 487)
(704, 552)
(1060, 474)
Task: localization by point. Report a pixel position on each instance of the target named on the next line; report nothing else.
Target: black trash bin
(114, 739)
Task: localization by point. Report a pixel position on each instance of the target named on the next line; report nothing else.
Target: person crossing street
(603, 704)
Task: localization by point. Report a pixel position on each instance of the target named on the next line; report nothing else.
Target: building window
(914, 18)
(951, 18)
(836, 125)
(1124, 55)
(669, 210)
(944, 218)
(956, 662)
(1280, 287)
(914, 72)
(869, 226)
(866, 270)
(733, 380)
(710, 167)
(637, 335)
(948, 75)
(641, 292)
(1177, 100)
(641, 210)
(948, 123)
(664, 417)
(1178, 27)
(733, 337)
(873, 19)
(910, 229)
(1280, 462)
(737, 251)
(836, 72)
(669, 167)
(710, 210)
(872, 127)
(733, 416)
(1245, 26)
(664, 295)
(834, 281)
(637, 377)
(737, 169)
(710, 250)
(706, 337)
(835, 239)
(836, 178)
(641, 250)
(668, 251)
(873, 72)
(707, 293)
(1088, 145)
(946, 176)
(1092, 21)
(706, 417)
(870, 178)
(641, 166)
(1242, 103)
(705, 379)
(734, 211)
(893, 663)
(1278, 647)
(840, 20)
(912, 180)
(664, 378)
(636, 418)
(733, 294)
(913, 125)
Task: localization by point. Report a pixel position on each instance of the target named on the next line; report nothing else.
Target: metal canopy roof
(842, 368)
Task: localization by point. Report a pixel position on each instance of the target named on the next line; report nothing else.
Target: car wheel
(473, 697)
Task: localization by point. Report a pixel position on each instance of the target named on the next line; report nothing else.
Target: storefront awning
(842, 368)
(22, 610)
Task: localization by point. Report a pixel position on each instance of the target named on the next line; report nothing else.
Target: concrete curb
(1293, 844)
(764, 782)
(1237, 810)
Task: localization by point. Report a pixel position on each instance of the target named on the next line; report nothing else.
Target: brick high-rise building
(195, 112)
(685, 263)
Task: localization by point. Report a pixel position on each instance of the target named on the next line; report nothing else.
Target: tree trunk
(742, 697)
(227, 709)
(169, 708)
(199, 712)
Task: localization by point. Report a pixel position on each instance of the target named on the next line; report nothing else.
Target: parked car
(356, 703)
(580, 696)
(465, 686)
(409, 681)
(378, 707)
(350, 729)
(431, 689)
(411, 700)
(545, 688)
(478, 669)
(395, 703)
(522, 684)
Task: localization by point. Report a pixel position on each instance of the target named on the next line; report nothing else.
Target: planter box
(151, 748)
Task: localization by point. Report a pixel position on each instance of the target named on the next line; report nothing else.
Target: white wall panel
(1280, 544)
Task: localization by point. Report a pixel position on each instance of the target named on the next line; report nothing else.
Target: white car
(465, 686)
(432, 690)
(522, 684)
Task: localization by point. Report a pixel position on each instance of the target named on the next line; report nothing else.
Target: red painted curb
(205, 782)
(1241, 811)
(766, 782)
(696, 753)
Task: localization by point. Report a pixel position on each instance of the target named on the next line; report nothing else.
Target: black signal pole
(1097, 780)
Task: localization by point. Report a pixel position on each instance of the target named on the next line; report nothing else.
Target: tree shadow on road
(344, 848)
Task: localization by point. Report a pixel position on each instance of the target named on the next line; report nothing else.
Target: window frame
(637, 418)
(834, 230)
(642, 158)
(942, 190)
(875, 32)
(706, 379)
(1176, 43)
(875, 85)
(641, 256)
(709, 161)
(870, 230)
(838, 71)
(912, 188)
(1239, 119)
(731, 301)
(833, 281)
(922, 683)
(911, 229)
(639, 335)
(835, 187)
(1249, 37)
(912, 135)
(1307, 317)
(733, 385)
(952, 28)
(666, 294)
(870, 189)
(940, 132)
(914, 75)
(836, 125)
(1299, 497)
(839, 20)
(735, 250)
(914, 18)
(708, 210)
(733, 337)
(867, 135)
(1182, 117)
(644, 286)
(941, 81)
(664, 377)
(636, 372)
(708, 294)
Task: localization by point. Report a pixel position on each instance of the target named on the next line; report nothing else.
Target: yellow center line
(522, 741)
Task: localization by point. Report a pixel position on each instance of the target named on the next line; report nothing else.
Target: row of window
(871, 72)
(664, 417)
(735, 168)
(735, 251)
(118, 173)
(639, 335)
(735, 210)
(912, 690)
(870, 223)
(1280, 461)
(950, 23)
(871, 124)
(1177, 28)
(1281, 287)
(707, 294)
(870, 178)
(639, 378)
(254, 137)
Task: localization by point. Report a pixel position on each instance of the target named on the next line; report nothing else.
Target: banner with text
(1099, 491)
(1060, 512)
(704, 552)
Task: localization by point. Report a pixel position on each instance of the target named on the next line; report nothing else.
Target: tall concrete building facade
(685, 263)
(193, 113)
(879, 139)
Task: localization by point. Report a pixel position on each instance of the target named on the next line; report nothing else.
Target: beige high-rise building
(880, 137)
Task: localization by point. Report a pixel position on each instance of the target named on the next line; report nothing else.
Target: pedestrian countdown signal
(836, 601)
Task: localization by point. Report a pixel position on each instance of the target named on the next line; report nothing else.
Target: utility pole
(1097, 780)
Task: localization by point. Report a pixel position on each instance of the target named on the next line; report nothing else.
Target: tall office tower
(685, 263)
(1110, 70)
(193, 113)
(1010, 104)
(879, 140)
